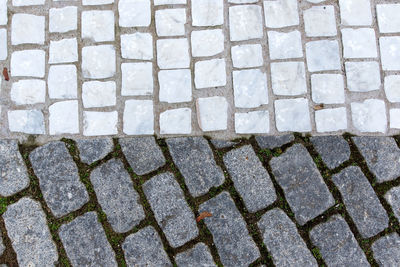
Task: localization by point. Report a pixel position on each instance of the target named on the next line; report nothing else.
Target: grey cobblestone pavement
(292, 200)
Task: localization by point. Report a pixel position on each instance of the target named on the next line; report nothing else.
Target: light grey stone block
(334, 150)
(92, 150)
(199, 255)
(387, 250)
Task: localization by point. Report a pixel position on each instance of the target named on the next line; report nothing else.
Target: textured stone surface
(254, 122)
(331, 119)
(30, 236)
(393, 198)
(58, 178)
(284, 45)
(195, 160)
(361, 202)
(305, 190)
(378, 151)
(99, 123)
(199, 255)
(369, 116)
(176, 121)
(98, 94)
(250, 178)
(334, 150)
(323, 55)
(271, 142)
(222, 143)
(250, 88)
(93, 150)
(363, 76)
(175, 86)
(62, 82)
(85, 242)
(388, 20)
(26, 121)
(327, 88)
(98, 62)
(288, 78)
(336, 243)
(170, 209)
(138, 117)
(64, 122)
(231, 237)
(283, 240)
(392, 88)
(28, 63)
(292, 115)
(387, 250)
(390, 52)
(143, 154)
(359, 43)
(320, 21)
(245, 22)
(2, 247)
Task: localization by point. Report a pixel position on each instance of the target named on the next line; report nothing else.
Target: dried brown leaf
(203, 215)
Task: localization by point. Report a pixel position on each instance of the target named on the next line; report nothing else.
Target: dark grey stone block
(142, 153)
(393, 198)
(30, 236)
(382, 156)
(13, 173)
(334, 150)
(195, 160)
(58, 178)
(361, 202)
(2, 247)
(228, 228)
(305, 190)
(337, 244)
(85, 242)
(222, 143)
(144, 248)
(199, 255)
(250, 178)
(92, 150)
(271, 142)
(387, 250)
(116, 195)
(170, 209)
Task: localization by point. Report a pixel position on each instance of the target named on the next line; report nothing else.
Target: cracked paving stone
(144, 248)
(393, 198)
(334, 150)
(361, 202)
(199, 255)
(378, 152)
(30, 236)
(170, 209)
(92, 150)
(116, 195)
(58, 178)
(228, 228)
(387, 250)
(305, 190)
(143, 154)
(271, 142)
(283, 240)
(194, 158)
(13, 172)
(85, 242)
(337, 243)
(250, 178)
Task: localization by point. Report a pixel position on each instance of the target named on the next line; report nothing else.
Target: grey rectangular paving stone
(170, 209)
(2, 247)
(361, 201)
(337, 244)
(195, 160)
(30, 236)
(387, 250)
(304, 188)
(85, 242)
(283, 241)
(58, 178)
(199, 255)
(144, 248)
(250, 178)
(116, 195)
(142, 153)
(228, 228)
(92, 150)
(334, 150)
(393, 198)
(13, 173)
(271, 142)
(382, 156)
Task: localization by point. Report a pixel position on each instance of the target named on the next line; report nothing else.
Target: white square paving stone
(28, 63)
(100, 123)
(98, 25)
(369, 116)
(28, 92)
(363, 76)
(98, 62)
(138, 117)
(250, 88)
(245, 22)
(173, 53)
(207, 12)
(209, 73)
(288, 78)
(331, 120)
(175, 86)
(137, 46)
(96, 2)
(63, 51)
(283, 45)
(62, 82)
(392, 88)
(98, 94)
(281, 13)
(390, 52)
(292, 115)
(212, 113)
(170, 22)
(27, 29)
(359, 43)
(247, 55)
(3, 12)
(26, 121)
(63, 19)
(134, 13)
(64, 118)
(320, 21)
(327, 88)
(254, 122)
(388, 18)
(394, 114)
(27, 2)
(137, 78)
(3, 44)
(207, 42)
(323, 55)
(355, 12)
(176, 121)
